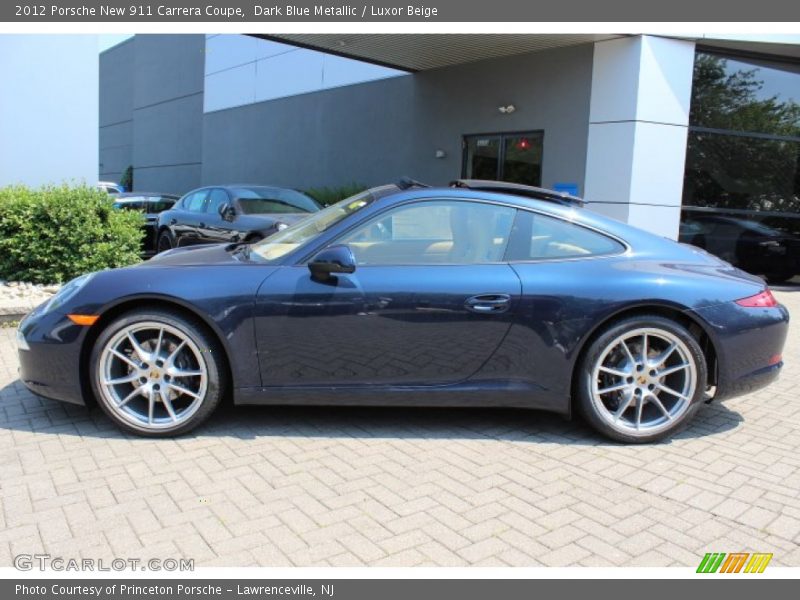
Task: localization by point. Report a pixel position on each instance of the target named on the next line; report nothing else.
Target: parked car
(479, 294)
(151, 204)
(110, 187)
(750, 245)
(230, 214)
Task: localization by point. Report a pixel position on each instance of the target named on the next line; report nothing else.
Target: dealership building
(639, 125)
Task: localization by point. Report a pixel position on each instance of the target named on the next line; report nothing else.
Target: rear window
(539, 237)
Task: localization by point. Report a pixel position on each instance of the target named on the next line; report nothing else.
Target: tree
(733, 171)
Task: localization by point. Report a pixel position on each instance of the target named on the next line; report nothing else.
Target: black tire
(584, 384)
(210, 353)
(165, 241)
(779, 277)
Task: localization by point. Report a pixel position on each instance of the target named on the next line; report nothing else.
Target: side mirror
(331, 260)
(227, 212)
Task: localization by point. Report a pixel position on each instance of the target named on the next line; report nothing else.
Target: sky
(106, 41)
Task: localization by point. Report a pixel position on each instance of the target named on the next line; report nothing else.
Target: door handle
(488, 303)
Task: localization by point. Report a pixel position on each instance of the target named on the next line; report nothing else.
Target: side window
(216, 198)
(434, 232)
(194, 201)
(539, 237)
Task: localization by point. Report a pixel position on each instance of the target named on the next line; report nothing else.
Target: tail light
(763, 299)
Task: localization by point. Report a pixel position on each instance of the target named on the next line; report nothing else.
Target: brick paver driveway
(323, 486)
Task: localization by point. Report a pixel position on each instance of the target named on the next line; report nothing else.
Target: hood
(267, 221)
(188, 256)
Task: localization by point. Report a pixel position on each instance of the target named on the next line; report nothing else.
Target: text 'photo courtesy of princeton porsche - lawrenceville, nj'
(349, 300)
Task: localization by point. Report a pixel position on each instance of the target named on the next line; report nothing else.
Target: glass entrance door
(512, 157)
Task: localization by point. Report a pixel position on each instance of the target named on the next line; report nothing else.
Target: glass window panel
(739, 172)
(523, 159)
(441, 232)
(216, 198)
(745, 94)
(483, 156)
(538, 237)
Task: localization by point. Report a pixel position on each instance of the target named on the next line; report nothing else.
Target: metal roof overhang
(421, 52)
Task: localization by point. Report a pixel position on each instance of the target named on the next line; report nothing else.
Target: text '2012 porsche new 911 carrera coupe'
(477, 294)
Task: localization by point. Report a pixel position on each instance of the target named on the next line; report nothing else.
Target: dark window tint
(263, 200)
(743, 172)
(157, 206)
(129, 205)
(512, 157)
(216, 198)
(436, 232)
(539, 237)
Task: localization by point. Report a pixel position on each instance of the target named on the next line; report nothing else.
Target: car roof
(133, 195)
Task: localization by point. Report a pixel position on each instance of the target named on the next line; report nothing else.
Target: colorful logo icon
(735, 562)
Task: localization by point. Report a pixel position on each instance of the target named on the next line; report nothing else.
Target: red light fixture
(763, 299)
(523, 144)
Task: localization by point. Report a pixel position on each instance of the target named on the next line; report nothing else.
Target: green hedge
(331, 195)
(52, 234)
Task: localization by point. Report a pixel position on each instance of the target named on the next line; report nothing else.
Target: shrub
(55, 233)
(126, 180)
(331, 195)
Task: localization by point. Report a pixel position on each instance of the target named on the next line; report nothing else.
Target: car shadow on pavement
(22, 411)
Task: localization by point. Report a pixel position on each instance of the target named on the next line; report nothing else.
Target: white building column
(638, 125)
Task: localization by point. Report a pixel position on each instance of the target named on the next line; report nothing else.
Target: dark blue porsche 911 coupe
(477, 294)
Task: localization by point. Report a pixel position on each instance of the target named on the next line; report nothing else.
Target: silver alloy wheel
(152, 375)
(643, 381)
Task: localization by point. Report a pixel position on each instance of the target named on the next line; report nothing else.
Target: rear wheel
(157, 373)
(642, 379)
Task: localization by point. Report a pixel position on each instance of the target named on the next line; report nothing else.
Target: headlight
(22, 343)
(281, 226)
(67, 292)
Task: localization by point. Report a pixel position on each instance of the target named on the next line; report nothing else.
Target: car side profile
(477, 294)
(231, 213)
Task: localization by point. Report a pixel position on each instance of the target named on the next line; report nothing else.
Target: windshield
(262, 200)
(279, 244)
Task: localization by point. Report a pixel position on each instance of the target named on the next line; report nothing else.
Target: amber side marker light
(85, 320)
(763, 299)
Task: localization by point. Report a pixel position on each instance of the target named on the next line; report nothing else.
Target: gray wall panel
(168, 112)
(175, 180)
(167, 67)
(116, 149)
(168, 133)
(359, 133)
(375, 132)
(116, 83)
(550, 90)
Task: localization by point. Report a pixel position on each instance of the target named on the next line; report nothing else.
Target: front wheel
(157, 373)
(642, 379)
(165, 241)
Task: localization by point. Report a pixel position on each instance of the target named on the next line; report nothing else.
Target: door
(185, 220)
(213, 228)
(512, 157)
(429, 302)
